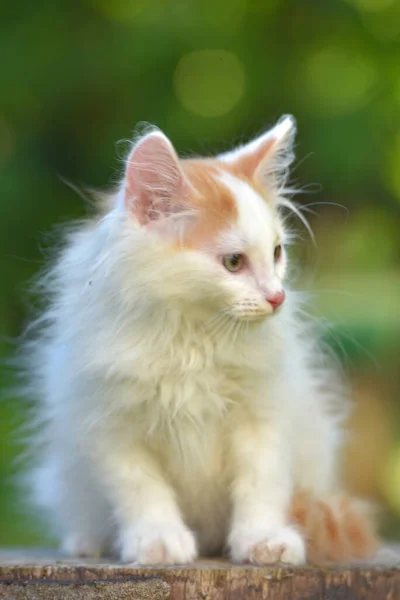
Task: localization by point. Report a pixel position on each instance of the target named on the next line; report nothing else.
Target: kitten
(185, 407)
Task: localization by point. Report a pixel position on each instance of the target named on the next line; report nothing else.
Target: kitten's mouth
(250, 312)
(253, 317)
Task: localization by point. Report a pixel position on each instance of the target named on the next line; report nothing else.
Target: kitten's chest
(200, 395)
(187, 397)
(196, 382)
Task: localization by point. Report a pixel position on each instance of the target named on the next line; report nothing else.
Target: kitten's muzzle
(276, 300)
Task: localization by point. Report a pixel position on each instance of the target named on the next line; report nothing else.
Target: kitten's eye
(277, 252)
(233, 262)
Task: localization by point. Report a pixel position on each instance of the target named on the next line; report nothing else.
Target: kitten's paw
(152, 544)
(78, 545)
(283, 544)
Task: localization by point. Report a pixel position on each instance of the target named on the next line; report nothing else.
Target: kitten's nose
(276, 300)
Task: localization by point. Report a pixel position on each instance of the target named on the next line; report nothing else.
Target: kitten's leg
(261, 493)
(151, 529)
(316, 452)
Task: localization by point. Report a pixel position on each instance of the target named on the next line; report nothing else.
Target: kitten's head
(213, 225)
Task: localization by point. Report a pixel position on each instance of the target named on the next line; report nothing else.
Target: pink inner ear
(248, 163)
(155, 186)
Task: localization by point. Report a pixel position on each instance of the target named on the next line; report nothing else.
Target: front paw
(263, 547)
(149, 543)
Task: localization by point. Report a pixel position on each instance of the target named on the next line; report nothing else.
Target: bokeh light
(391, 479)
(391, 165)
(384, 24)
(204, 18)
(209, 83)
(120, 10)
(337, 79)
(372, 5)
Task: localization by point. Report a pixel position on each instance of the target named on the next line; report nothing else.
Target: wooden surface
(31, 575)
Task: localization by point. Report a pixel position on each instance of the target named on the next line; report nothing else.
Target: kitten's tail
(337, 528)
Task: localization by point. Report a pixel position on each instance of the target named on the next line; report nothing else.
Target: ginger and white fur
(180, 414)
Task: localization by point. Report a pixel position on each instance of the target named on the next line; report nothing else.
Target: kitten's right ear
(268, 157)
(154, 185)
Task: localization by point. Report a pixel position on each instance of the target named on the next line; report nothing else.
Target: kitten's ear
(154, 186)
(268, 157)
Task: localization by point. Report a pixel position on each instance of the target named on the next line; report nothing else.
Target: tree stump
(37, 575)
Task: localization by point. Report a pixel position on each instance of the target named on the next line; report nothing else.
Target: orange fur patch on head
(244, 173)
(214, 202)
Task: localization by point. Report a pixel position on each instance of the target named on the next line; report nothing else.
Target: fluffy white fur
(178, 411)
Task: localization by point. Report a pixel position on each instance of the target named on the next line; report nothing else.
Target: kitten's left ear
(154, 186)
(268, 157)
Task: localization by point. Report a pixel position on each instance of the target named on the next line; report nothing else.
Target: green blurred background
(77, 76)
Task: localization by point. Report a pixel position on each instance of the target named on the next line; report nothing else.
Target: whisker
(296, 210)
(339, 292)
(345, 208)
(300, 162)
(220, 324)
(237, 331)
(231, 329)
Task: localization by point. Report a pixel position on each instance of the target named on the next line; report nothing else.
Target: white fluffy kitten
(184, 406)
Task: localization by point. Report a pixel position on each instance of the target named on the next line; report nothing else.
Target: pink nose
(276, 300)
